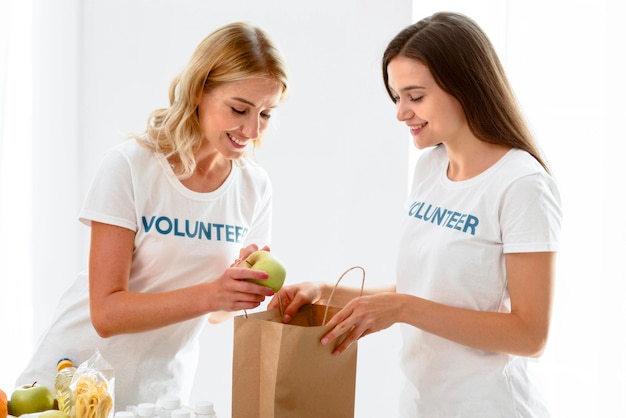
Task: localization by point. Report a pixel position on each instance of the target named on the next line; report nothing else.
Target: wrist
(409, 308)
(324, 291)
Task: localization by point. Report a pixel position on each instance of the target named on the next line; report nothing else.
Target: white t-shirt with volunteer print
(453, 241)
(182, 238)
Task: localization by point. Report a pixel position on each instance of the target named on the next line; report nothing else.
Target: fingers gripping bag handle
(332, 293)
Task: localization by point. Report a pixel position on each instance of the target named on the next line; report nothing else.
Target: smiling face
(234, 114)
(432, 115)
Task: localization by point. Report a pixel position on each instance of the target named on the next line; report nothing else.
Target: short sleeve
(110, 198)
(530, 215)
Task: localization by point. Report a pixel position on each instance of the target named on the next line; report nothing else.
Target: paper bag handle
(280, 302)
(330, 298)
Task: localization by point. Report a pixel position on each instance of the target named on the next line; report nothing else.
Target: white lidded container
(205, 409)
(146, 410)
(167, 405)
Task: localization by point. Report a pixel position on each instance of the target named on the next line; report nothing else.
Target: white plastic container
(167, 405)
(205, 409)
(146, 410)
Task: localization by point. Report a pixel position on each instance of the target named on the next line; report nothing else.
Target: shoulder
(131, 150)
(519, 168)
(521, 163)
(526, 183)
(128, 155)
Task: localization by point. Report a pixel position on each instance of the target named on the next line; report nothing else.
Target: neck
(473, 158)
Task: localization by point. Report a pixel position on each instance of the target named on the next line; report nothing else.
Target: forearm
(126, 312)
(344, 294)
(489, 331)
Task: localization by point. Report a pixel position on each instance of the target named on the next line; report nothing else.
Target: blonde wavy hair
(234, 52)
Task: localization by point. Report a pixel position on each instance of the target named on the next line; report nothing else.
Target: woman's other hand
(293, 297)
(363, 316)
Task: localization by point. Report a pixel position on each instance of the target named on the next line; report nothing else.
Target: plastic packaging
(63, 392)
(205, 409)
(93, 385)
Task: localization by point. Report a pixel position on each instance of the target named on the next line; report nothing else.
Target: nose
(252, 127)
(402, 111)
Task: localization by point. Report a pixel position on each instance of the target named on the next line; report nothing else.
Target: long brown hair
(233, 52)
(464, 64)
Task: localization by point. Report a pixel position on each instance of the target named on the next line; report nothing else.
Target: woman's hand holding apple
(263, 260)
(245, 252)
(252, 277)
(233, 292)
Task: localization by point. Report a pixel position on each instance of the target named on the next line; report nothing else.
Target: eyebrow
(415, 87)
(248, 102)
(409, 88)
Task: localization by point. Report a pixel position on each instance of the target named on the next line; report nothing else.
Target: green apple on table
(265, 261)
(28, 399)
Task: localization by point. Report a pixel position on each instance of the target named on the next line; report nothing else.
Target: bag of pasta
(93, 386)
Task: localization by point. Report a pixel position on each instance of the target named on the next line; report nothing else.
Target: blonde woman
(169, 210)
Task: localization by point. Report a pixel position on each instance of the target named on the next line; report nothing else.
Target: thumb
(252, 258)
(292, 309)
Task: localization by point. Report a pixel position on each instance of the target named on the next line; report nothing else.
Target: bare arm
(523, 331)
(116, 310)
(295, 296)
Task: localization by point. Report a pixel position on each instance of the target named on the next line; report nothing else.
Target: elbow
(102, 329)
(535, 345)
(536, 350)
(102, 324)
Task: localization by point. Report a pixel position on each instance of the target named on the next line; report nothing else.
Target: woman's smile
(237, 141)
(416, 129)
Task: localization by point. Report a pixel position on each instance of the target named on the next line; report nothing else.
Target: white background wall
(338, 159)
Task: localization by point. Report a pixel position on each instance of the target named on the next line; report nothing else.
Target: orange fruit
(4, 405)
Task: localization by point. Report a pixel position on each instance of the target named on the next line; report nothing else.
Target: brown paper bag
(283, 371)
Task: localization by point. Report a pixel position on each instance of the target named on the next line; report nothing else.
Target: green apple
(265, 261)
(30, 398)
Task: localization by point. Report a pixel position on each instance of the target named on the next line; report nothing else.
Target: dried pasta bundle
(91, 398)
(93, 385)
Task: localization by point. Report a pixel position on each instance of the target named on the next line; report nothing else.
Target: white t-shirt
(454, 237)
(182, 238)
